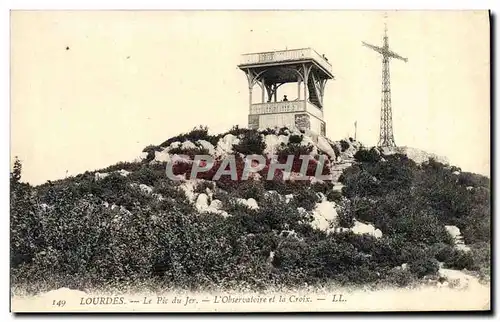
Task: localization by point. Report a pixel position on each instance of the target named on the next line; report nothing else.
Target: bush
(191, 152)
(460, 260)
(127, 166)
(323, 187)
(197, 133)
(239, 132)
(284, 131)
(326, 188)
(273, 215)
(345, 217)
(295, 139)
(170, 189)
(284, 150)
(333, 195)
(335, 149)
(424, 266)
(417, 227)
(202, 186)
(146, 175)
(250, 189)
(251, 143)
(473, 180)
(360, 184)
(344, 145)
(306, 198)
(26, 234)
(269, 131)
(444, 252)
(400, 277)
(330, 258)
(370, 156)
(68, 233)
(150, 149)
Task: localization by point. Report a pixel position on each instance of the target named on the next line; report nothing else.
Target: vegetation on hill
(85, 232)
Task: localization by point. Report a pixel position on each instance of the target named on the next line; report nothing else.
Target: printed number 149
(60, 303)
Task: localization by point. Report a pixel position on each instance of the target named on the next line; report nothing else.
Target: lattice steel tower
(386, 133)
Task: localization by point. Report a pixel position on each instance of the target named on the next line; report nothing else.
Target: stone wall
(302, 121)
(253, 121)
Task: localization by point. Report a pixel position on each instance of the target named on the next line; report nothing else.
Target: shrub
(289, 259)
(146, 175)
(128, 166)
(237, 131)
(360, 184)
(370, 156)
(191, 152)
(284, 150)
(400, 277)
(295, 139)
(197, 133)
(250, 189)
(269, 131)
(481, 255)
(334, 195)
(306, 198)
(323, 187)
(340, 260)
(444, 252)
(150, 149)
(77, 240)
(275, 215)
(284, 131)
(200, 133)
(475, 259)
(202, 186)
(221, 195)
(345, 217)
(424, 266)
(418, 227)
(276, 185)
(170, 189)
(344, 145)
(460, 260)
(335, 149)
(251, 143)
(473, 180)
(286, 187)
(26, 235)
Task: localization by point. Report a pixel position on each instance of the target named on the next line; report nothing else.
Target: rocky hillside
(381, 218)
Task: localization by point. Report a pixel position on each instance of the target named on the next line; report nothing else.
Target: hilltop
(400, 218)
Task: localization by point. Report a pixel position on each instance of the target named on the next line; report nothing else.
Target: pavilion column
(269, 89)
(298, 89)
(263, 90)
(250, 80)
(306, 79)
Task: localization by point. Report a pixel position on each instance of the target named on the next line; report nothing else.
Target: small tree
(15, 175)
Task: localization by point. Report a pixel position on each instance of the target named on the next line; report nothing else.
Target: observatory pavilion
(270, 70)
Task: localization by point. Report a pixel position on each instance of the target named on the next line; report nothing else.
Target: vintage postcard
(250, 161)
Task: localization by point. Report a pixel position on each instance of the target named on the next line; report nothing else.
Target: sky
(92, 88)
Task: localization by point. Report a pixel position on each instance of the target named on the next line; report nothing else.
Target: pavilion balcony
(286, 107)
(283, 56)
